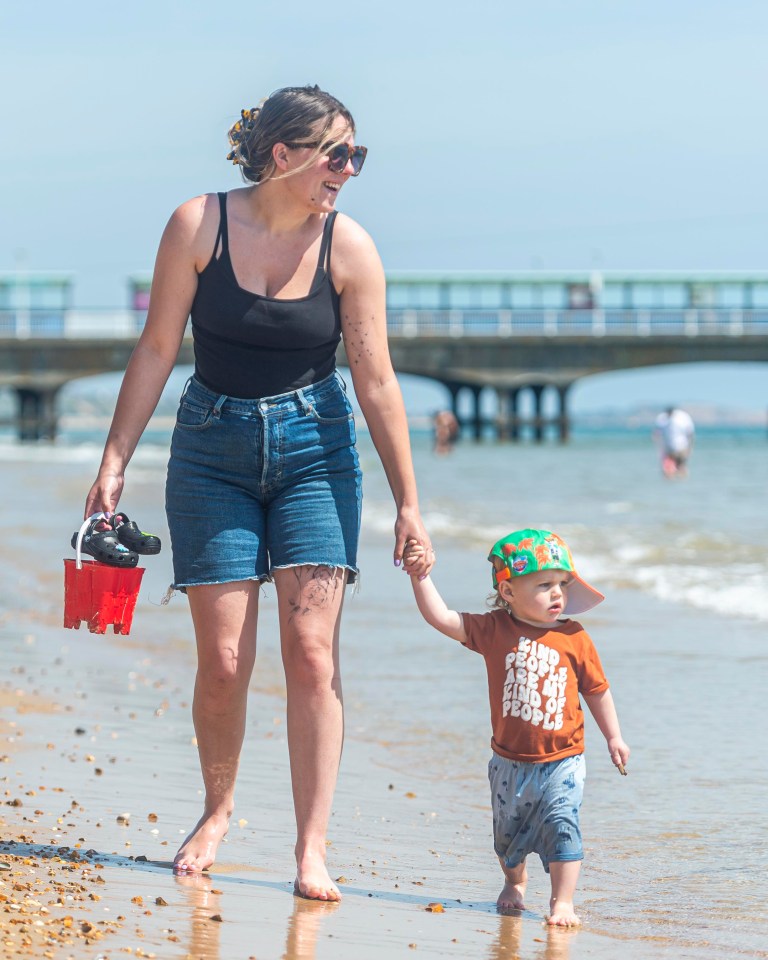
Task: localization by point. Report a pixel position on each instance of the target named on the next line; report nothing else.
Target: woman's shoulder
(349, 234)
(354, 253)
(193, 214)
(194, 224)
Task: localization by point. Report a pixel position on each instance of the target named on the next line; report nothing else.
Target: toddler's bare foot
(198, 851)
(313, 882)
(512, 896)
(563, 915)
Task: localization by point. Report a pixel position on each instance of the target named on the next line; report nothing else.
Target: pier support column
(508, 420)
(477, 420)
(513, 414)
(502, 423)
(36, 417)
(538, 422)
(563, 421)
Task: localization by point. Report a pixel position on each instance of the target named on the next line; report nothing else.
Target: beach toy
(98, 593)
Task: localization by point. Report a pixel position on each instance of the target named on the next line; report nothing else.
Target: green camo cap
(529, 551)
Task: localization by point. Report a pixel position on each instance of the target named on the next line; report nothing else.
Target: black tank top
(248, 345)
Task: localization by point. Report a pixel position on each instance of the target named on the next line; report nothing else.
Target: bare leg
(309, 602)
(224, 616)
(512, 894)
(564, 875)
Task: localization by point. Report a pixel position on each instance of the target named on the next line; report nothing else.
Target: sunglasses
(339, 156)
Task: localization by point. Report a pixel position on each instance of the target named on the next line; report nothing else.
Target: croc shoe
(130, 536)
(103, 545)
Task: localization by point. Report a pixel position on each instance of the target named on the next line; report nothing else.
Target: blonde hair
(495, 599)
(291, 115)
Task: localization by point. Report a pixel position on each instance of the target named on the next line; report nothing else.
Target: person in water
(539, 663)
(264, 482)
(446, 431)
(674, 432)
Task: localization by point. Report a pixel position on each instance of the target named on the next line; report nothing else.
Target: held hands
(415, 557)
(410, 530)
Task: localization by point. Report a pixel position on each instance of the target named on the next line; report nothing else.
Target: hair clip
(239, 130)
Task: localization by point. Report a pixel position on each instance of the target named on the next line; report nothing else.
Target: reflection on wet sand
(304, 927)
(206, 918)
(555, 941)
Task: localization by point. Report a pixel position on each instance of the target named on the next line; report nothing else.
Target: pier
(509, 333)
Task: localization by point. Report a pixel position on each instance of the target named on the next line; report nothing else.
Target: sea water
(674, 856)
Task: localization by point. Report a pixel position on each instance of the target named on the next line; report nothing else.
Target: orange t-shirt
(535, 676)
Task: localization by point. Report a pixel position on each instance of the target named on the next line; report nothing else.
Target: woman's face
(318, 185)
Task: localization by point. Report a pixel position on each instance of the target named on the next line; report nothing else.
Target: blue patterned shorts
(536, 809)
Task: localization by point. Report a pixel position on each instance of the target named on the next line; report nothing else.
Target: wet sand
(100, 780)
(100, 783)
(96, 755)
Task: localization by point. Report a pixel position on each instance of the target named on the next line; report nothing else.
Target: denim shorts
(536, 809)
(256, 485)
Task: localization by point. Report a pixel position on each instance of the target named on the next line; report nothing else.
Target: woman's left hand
(409, 526)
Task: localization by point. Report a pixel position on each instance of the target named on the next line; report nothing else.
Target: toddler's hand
(413, 553)
(619, 752)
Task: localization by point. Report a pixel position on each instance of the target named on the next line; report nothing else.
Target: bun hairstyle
(289, 115)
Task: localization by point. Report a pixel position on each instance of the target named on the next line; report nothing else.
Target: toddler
(538, 663)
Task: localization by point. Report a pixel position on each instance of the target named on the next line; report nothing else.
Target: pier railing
(692, 322)
(580, 323)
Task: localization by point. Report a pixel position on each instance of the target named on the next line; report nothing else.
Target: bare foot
(198, 851)
(313, 882)
(512, 896)
(563, 915)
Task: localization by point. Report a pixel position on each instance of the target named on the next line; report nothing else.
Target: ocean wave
(13, 451)
(677, 565)
(700, 545)
(740, 590)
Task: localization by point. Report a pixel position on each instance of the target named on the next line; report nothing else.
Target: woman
(263, 479)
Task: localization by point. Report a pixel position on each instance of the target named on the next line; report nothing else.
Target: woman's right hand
(104, 495)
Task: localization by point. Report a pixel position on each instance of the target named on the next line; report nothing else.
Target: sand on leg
(309, 602)
(224, 617)
(564, 875)
(512, 896)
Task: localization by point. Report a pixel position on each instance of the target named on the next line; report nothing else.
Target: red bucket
(99, 595)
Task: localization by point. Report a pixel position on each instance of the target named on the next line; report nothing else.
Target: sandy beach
(100, 779)
(97, 749)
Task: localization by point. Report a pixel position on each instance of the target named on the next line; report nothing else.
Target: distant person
(538, 663)
(446, 431)
(264, 481)
(674, 431)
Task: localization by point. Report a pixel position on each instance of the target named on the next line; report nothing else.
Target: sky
(562, 134)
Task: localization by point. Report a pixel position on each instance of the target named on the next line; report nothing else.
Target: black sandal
(104, 546)
(130, 536)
